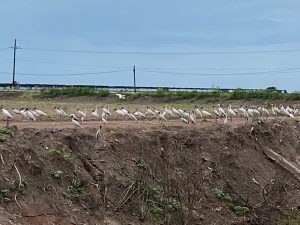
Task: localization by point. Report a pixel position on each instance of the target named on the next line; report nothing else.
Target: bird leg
(7, 123)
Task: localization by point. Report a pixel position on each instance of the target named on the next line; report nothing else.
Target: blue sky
(154, 26)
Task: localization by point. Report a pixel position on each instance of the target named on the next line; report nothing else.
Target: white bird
(98, 133)
(139, 114)
(34, 113)
(205, 113)
(230, 111)
(23, 113)
(60, 111)
(175, 111)
(7, 116)
(198, 111)
(185, 114)
(184, 120)
(162, 117)
(217, 113)
(16, 111)
(149, 111)
(30, 115)
(81, 113)
(94, 113)
(39, 112)
(168, 111)
(119, 112)
(121, 96)
(180, 111)
(192, 118)
(75, 122)
(106, 111)
(125, 112)
(221, 110)
(74, 116)
(132, 116)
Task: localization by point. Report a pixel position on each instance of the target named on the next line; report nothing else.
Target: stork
(7, 116)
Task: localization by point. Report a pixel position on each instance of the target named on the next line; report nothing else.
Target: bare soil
(148, 173)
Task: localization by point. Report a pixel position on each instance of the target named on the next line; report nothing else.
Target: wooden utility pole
(14, 68)
(134, 85)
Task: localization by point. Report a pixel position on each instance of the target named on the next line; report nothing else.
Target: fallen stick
(20, 178)
(2, 160)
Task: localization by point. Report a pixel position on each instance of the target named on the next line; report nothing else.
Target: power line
(148, 68)
(67, 74)
(69, 64)
(3, 49)
(216, 69)
(160, 72)
(166, 53)
(223, 74)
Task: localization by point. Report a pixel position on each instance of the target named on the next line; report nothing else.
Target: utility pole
(134, 79)
(14, 68)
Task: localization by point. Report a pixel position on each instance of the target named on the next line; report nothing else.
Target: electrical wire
(66, 74)
(222, 74)
(69, 64)
(166, 53)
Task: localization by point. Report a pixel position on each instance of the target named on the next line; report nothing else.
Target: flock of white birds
(225, 114)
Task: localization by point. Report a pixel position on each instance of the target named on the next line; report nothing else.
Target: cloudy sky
(216, 43)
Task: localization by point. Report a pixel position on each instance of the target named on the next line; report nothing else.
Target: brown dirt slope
(151, 175)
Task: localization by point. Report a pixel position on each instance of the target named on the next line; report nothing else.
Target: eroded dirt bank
(152, 175)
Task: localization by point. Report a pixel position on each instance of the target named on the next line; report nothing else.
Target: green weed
(4, 195)
(57, 173)
(240, 210)
(76, 189)
(61, 155)
(155, 209)
(7, 131)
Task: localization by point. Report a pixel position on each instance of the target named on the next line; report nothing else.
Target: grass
(5, 133)
(240, 210)
(217, 94)
(76, 189)
(73, 92)
(140, 163)
(57, 174)
(4, 195)
(155, 209)
(213, 95)
(218, 193)
(61, 155)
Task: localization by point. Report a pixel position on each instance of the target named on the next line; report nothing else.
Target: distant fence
(7, 86)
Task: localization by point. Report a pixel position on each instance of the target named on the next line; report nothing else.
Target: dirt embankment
(154, 175)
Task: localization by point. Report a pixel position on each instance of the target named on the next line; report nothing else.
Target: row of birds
(167, 112)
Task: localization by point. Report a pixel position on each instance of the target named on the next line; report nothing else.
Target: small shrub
(155, 209)
(140, 163)
(4, 194)
(7, 131)
(174, 205)
(61, 155)
(21, 187)
(150, 190)
(3, 139)
(218, 193)
(76, 189)
(240, 210)
(57, 174)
